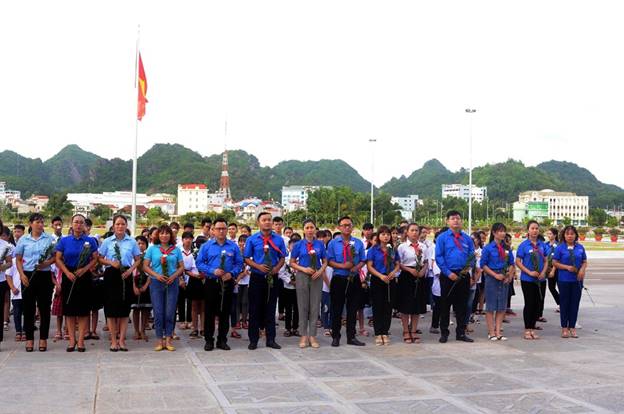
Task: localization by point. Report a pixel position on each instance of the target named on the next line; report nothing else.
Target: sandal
(194, 334)
(303, 342)
(364, 332)
(18, 337)
(573, 334)
(534, 335)
(378, 340)
(235, 334)
(528, 336)
(565, 333)
(407, 338)
(493, 338)
(415, 337)
(95, 336)
(327, 332)
(58, 337)
(287, 334)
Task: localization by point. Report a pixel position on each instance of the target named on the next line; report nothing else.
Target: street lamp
(470, 111)
(372, 141)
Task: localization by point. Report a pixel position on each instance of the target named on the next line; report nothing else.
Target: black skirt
(97, 294)
(77, 299)
(195, 289)
(412, 299)
(119, 294)
(144, 300)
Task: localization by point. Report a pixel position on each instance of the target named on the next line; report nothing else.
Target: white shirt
(329, 272)
(17, 282)
(6, 251)
(189, 264)
(245, 280)
(284, 274)
(408, 256)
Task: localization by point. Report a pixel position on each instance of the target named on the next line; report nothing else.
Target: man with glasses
(346, 256)
(220, 261)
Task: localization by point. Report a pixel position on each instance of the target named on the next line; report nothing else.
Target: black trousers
(541, 304)
(383, 296)
(532, 303)
(456, 296)
(212, 308)
(435, 314)
(289, 297)
(261, 307)
(341, 291)
(552, 286)
(37, 295)
(4, 287)
(184, 306)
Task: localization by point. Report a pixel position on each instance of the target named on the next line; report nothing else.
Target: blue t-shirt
(128, 249)
(153, 254)
(450, 257)
(31, 250)
(491, 258)
(562, 255)
(525, 253)
(336, 252)
(254, 249)
(71, 247)
(376, 255)
(209, 258)
(300, 252)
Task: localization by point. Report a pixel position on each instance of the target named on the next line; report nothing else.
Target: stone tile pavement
(551, 375)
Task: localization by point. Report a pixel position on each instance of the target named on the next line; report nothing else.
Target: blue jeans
(326, 310)
(471, 296)
(569, 298)
(17, 314)
(164, 304)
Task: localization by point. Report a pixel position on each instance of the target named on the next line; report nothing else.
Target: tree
(58, 206)
(155, 214)
(597, 217)
(101, 211)
(612, 222)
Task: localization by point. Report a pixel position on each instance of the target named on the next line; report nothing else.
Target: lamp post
(470, 111)
(372, 141)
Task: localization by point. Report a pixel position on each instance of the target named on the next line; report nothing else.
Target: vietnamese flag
(142, 87)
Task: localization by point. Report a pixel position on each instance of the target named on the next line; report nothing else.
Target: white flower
(352, 242)
(266, 247)
(389, 246)
(311, 252)
(87, 244)
(223, 252)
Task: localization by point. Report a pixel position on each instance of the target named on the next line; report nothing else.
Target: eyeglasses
(220, 228)
(346, 225)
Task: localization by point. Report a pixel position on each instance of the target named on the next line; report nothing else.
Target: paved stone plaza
(545, 376)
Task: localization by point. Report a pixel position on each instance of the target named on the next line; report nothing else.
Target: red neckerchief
(536, 249)
(187, 254)
(346, 251)
(385, 257)
(309, 246)
(416, 248)
(267, 240)
(456, 237)
(166, 252)
(501, 252)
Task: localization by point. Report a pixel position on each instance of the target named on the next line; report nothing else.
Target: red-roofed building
(192, 198)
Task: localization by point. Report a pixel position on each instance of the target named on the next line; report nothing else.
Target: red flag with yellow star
(142, 87)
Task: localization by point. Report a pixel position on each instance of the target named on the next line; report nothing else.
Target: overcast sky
(311, 80)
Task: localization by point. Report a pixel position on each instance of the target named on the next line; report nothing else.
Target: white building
(561, 205)
(463, 191)
(192, 198)
(166, 206)
(116, 200)
(408, 205)
(38, 202)
(295, 197)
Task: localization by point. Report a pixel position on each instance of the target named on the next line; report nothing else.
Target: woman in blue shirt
(383, 263)
(531, 259)
(571, 261)
(309, 281)
(34, 254)
(120, 254)
(551, 245)
(498, 266)
(75, 255)
(164, 263)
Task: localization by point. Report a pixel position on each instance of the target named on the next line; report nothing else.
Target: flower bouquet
(83, 259)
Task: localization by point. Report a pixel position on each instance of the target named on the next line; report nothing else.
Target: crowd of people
(228, 279)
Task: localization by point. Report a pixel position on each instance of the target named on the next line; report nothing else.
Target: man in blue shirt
(265, 253)
(219, 261)
(345, 255)
(454, 255)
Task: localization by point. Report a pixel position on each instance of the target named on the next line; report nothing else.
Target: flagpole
(136, 135)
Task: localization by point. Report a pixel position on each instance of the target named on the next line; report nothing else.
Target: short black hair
(565, 230)
(246, 227)
(19, 227)
(233, 224)
(205, 221)
(262, 213)
(242, 238)
(295, 237)
(345, 218)
(452, 213)
(142, 238)
(368, 226)
(88, 222)
(187, 235)
(56, 218)
(174, 224)
(220, 220)
(288, 228)
(278, 219)
(189, 225)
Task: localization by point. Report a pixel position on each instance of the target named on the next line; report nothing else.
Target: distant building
(408, 205)
(116, 200)
(38, 202)
(561, 205)
(463, 191)
(192, 198)
(533, 210)
(165, 206)
(295, 197)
